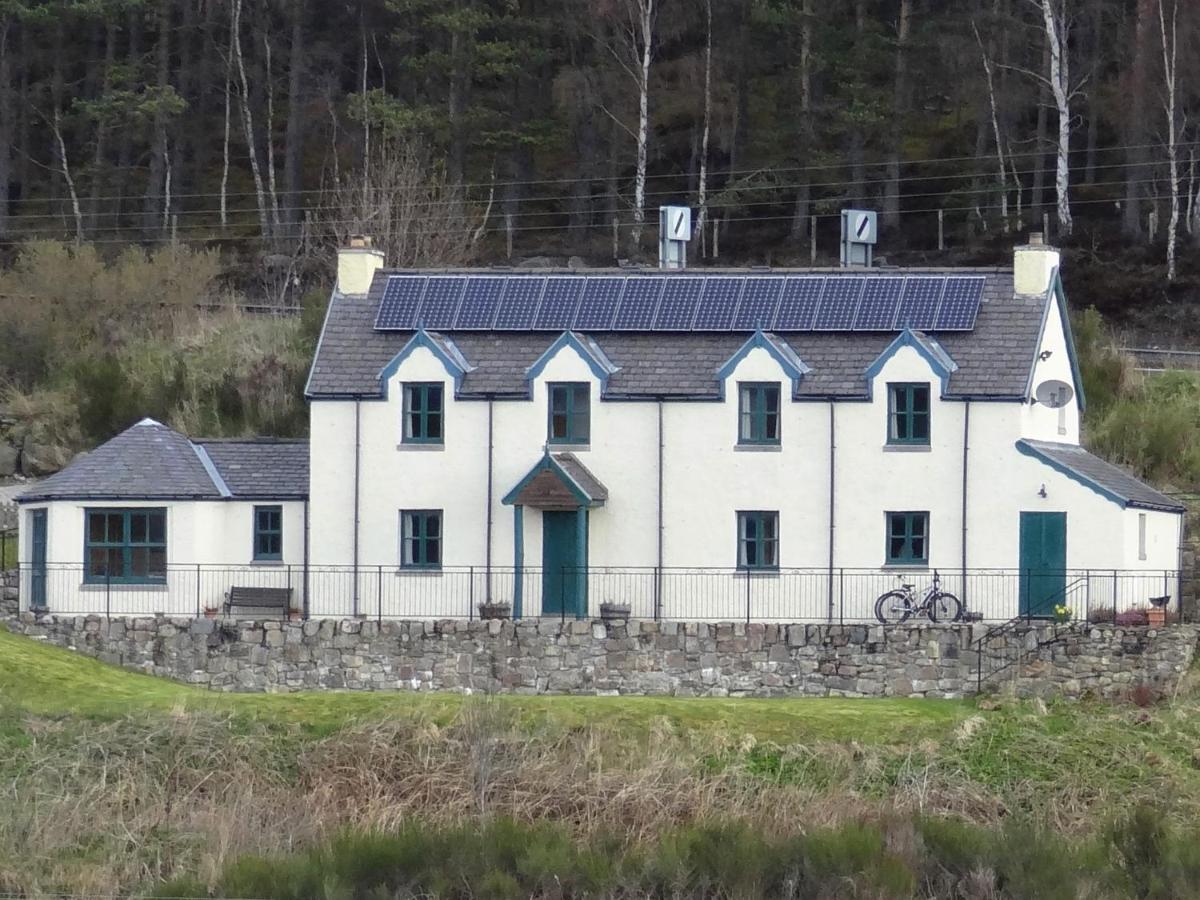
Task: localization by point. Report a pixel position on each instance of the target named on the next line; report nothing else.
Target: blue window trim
(578, 421)
(260, 532)
(125, 545)
(907, 533)
(422, 392)
(765, 402)
(416, 539)
(765, 546)
(910, 417)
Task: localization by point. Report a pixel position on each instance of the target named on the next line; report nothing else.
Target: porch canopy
(564, 490)
(559, 482)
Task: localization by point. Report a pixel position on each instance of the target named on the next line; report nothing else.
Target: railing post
(107, 592)
(379, 597)
(1115, 592)
(471, 593)
(841, 596)
(198, 610)
(658, 585)
(747, 596)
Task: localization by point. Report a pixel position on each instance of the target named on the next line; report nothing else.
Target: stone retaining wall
(593, 657)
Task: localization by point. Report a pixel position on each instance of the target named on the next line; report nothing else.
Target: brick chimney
(1033, 265)
(356, 265)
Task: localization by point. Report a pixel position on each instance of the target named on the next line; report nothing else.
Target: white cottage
(701, 444)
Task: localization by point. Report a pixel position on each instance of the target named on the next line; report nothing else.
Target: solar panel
(401, 297)
(639, 303)
(439, 305)
(798, 304)
(678, 305)
(759, 299)
(839, 304)
(919, 305)
(479, 302)
(880, 300)
(718, 303)
(599, 305)
(519, 303)
(960, 304)
(559, 300)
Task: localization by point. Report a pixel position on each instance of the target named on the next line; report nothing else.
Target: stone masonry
(637, 657)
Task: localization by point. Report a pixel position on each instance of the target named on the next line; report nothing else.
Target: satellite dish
(1054, 394)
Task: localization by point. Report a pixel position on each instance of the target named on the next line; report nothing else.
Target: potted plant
(610, 610)
(1132, 618)
(1157, 613)
(210, 612)
(1062, 614)
(494, 609)
(294, 614)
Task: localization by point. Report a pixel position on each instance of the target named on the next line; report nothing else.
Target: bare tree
(412, 209)
(702, 188)
(65, 168)
(247, 116)
(1057, 26)
(633, 49)
(1170, 47)
(1001, 179)
(891, 193)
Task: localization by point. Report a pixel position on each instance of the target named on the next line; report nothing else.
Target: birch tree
(1170, 69)
(247, 116)
(1001, 179)
(1056, 23)
(702, 187)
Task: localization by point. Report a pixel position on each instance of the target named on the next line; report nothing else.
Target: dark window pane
(138, 531)
(434, 427)
(115, 528)
(116, 563)
(920, 428)
(158, 563)
(96, 528)
(158, 528)
(97, 558)
(139, 562)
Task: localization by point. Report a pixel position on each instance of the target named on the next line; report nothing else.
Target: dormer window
(423, 413)
(570, 413)
(758, 413)
(908, 414)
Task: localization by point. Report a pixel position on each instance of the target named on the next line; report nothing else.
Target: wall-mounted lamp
(1045, 355)
(1042, 492)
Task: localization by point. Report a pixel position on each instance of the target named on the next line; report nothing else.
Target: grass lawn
(46, 680)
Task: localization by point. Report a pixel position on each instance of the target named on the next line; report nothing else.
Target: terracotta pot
(210, 613)
(1156, 616)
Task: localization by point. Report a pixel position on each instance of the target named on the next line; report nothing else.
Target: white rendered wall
(1041, 422)
(209, 549)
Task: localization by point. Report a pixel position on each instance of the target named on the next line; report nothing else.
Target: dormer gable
(443, 349)
(590, 352)
(940, 363)
(777, 348)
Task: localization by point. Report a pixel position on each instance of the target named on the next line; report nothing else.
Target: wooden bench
(259, 598)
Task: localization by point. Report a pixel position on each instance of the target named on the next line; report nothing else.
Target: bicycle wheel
(945, 608)
(893, 608)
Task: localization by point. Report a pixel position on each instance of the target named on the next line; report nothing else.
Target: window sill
(568, 448)
(905, 567)
(758, 448)
(267, 563)
(404, 571)
(141, 587)
(907, 448)
(430, 447)
(758, 573)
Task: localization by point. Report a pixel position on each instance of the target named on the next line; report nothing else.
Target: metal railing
(841, 595)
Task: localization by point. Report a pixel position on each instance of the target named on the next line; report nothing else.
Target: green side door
(564, 563)
(1043, 562)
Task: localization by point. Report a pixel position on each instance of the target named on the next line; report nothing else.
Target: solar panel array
(850, 302)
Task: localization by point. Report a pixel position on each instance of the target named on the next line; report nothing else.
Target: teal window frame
(760, 412)
(906, 542)
(758, 540)
(569, 412)
(421, 539)
(268, 533)
(905, 420)
(424, 413)
(130, 547)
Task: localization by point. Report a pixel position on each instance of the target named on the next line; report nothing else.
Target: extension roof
(1103, 477)
(994, 360)
(150, 461)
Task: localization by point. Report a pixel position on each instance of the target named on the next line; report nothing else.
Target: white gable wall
(1041, 422)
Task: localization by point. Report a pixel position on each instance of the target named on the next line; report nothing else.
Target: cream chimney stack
(1034, 265)
(357, 264)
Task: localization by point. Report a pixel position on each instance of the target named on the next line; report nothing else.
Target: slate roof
(994, 360)
(1104, 477)
(149, 461)
(261, 468)
(589, 483)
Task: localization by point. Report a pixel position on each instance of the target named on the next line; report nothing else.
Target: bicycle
(900, 605)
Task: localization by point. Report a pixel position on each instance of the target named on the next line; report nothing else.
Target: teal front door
(37, 559)
(564, 563)
(1043, 562)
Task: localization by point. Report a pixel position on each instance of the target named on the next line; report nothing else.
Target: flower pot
(210, 612)
(294, 615)
(1156, 616)
(495, 610)
(614, 611)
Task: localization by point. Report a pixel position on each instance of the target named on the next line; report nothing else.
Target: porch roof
(559, 481)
